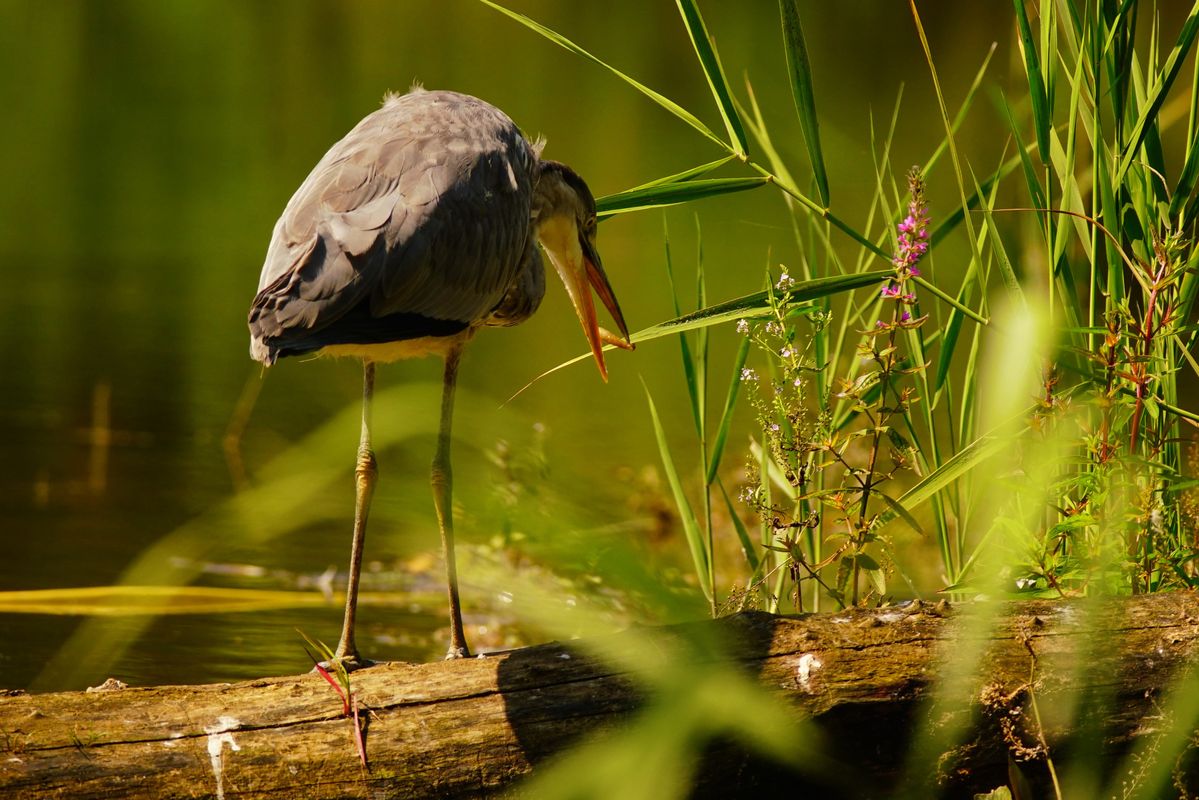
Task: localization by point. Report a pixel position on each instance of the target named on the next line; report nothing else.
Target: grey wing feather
(424, 208)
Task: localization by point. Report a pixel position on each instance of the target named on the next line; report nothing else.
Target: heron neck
(552, 195)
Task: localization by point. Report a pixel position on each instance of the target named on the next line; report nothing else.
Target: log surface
(475, 727)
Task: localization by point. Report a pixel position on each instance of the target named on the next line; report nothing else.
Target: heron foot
(457, 652)
(348, 663)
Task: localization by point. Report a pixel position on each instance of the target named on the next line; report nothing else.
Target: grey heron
(419, 227)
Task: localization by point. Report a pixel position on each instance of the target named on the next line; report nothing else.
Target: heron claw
(348, 663)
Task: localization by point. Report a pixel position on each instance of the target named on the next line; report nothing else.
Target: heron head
(565, 222)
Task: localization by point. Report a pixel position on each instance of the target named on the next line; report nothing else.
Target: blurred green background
(148, 149)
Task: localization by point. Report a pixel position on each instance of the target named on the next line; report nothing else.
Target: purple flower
(913, 230)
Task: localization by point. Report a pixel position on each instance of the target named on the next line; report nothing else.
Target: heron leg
(365, 473)
(443, 491)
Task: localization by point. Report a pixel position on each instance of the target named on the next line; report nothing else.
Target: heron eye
(589, 226)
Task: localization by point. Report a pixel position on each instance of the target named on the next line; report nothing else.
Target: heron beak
(599, 281)
(581, 271)
(587, 276)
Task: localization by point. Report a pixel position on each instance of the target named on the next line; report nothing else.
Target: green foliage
(1084, 257)
(1011, 422)
(800, 72)
(833, 494)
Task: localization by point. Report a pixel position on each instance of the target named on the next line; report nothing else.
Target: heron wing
(422, 210)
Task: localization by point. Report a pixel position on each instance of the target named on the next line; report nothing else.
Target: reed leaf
(684, 346)
(1036, 81)
(686, 175)
(963, 462)
(1190, 170)
(730, 405)
(751, 306)
(714, 72)
(799, 70)
(669, 194)
(695, 538)
(1148, 117)
(747, 545)
(562, 41)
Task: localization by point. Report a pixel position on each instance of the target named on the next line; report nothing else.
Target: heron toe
(457, 652)
(348, 663)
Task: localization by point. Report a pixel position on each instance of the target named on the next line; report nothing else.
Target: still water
(149, 148)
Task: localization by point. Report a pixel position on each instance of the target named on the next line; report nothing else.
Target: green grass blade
(714, 72)
(1190, 170)
(1169, 72)
(952, 328)
(695, 539)
(730, 405)
(684, 346)
(800, 72)
(747, 545)
(1006, 273)
(757, 126)
(1119, 52)
(749, 307)
(976, 262)
(1190, 287)
(1035, 191)
(965, 460)
(701, 403)
(687, 174)
(1114, 283)
(758, 303)
(562, 41)
(953, 220)
(1036, 81)
(1186, 181)
(1050, 56)
(940, 294)
(701, 356)
(671, 194)
(963, 110)
(123, 600)
(902, 512)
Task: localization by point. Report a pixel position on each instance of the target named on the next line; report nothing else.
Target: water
(150, 147)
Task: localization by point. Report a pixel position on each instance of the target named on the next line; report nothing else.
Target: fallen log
(865, 678)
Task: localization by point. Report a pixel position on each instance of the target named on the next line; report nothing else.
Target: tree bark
(869, 680)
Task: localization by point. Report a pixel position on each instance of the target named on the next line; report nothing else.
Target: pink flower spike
(913, 235)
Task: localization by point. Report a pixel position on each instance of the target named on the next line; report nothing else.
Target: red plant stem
(359, 741)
